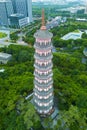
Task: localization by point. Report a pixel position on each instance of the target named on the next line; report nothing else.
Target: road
(6, 41)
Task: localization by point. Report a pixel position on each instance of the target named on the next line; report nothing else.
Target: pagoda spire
(43, 18)
(43, 27)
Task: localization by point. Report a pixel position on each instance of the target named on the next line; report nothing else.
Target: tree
(84, 35)
(14, 36)
(23, 56)
(31, 119)
(74, 119)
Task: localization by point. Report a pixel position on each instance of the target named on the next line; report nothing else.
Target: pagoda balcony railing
(49, 46)
(41, 44)
(43, 76)
(43, 107)
(49, 56)
(43, 84)
(43, 87)
(43, 67)
(43, 57)
(43, 93)
(44, 100)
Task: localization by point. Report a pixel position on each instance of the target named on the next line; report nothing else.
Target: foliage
(15, 83)
(74, 119)
(71, 90)
(2, 35)
(14, 36)
(84, 35)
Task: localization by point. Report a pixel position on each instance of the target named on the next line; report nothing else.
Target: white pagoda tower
(43, 81)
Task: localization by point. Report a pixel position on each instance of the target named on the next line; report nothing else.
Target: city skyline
(56, 0)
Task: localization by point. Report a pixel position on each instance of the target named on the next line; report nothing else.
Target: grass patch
(76, 31)
(2, 35)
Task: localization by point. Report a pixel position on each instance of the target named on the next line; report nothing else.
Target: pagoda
(43, 81)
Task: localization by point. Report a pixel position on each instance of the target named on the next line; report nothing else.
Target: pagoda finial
(43, 18)
(43, 27)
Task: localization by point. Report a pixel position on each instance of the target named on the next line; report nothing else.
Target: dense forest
(70, 88)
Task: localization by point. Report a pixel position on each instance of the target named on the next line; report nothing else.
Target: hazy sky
(51, 0)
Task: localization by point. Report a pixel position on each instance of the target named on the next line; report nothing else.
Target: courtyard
(73, 35)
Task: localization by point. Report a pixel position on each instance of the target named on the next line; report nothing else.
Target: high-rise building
(86, 8)
(23, 7)
(18, 20)
(6, 10)
(43, 81)
(29, 3)
(11, 8)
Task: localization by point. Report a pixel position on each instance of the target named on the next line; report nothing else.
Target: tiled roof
(43, 34)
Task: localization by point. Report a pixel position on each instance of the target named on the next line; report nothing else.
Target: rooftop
(5, 0)
(72, 35)
(85, 52)
(43, 34)
(5, 55)
(79, 19)
(2, 70)
(17, 15)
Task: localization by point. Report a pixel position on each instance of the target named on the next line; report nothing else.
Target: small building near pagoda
(4, 57)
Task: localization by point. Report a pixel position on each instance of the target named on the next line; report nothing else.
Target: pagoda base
(51, 119)
(43, 115)
(53, 114)
(48, 114)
